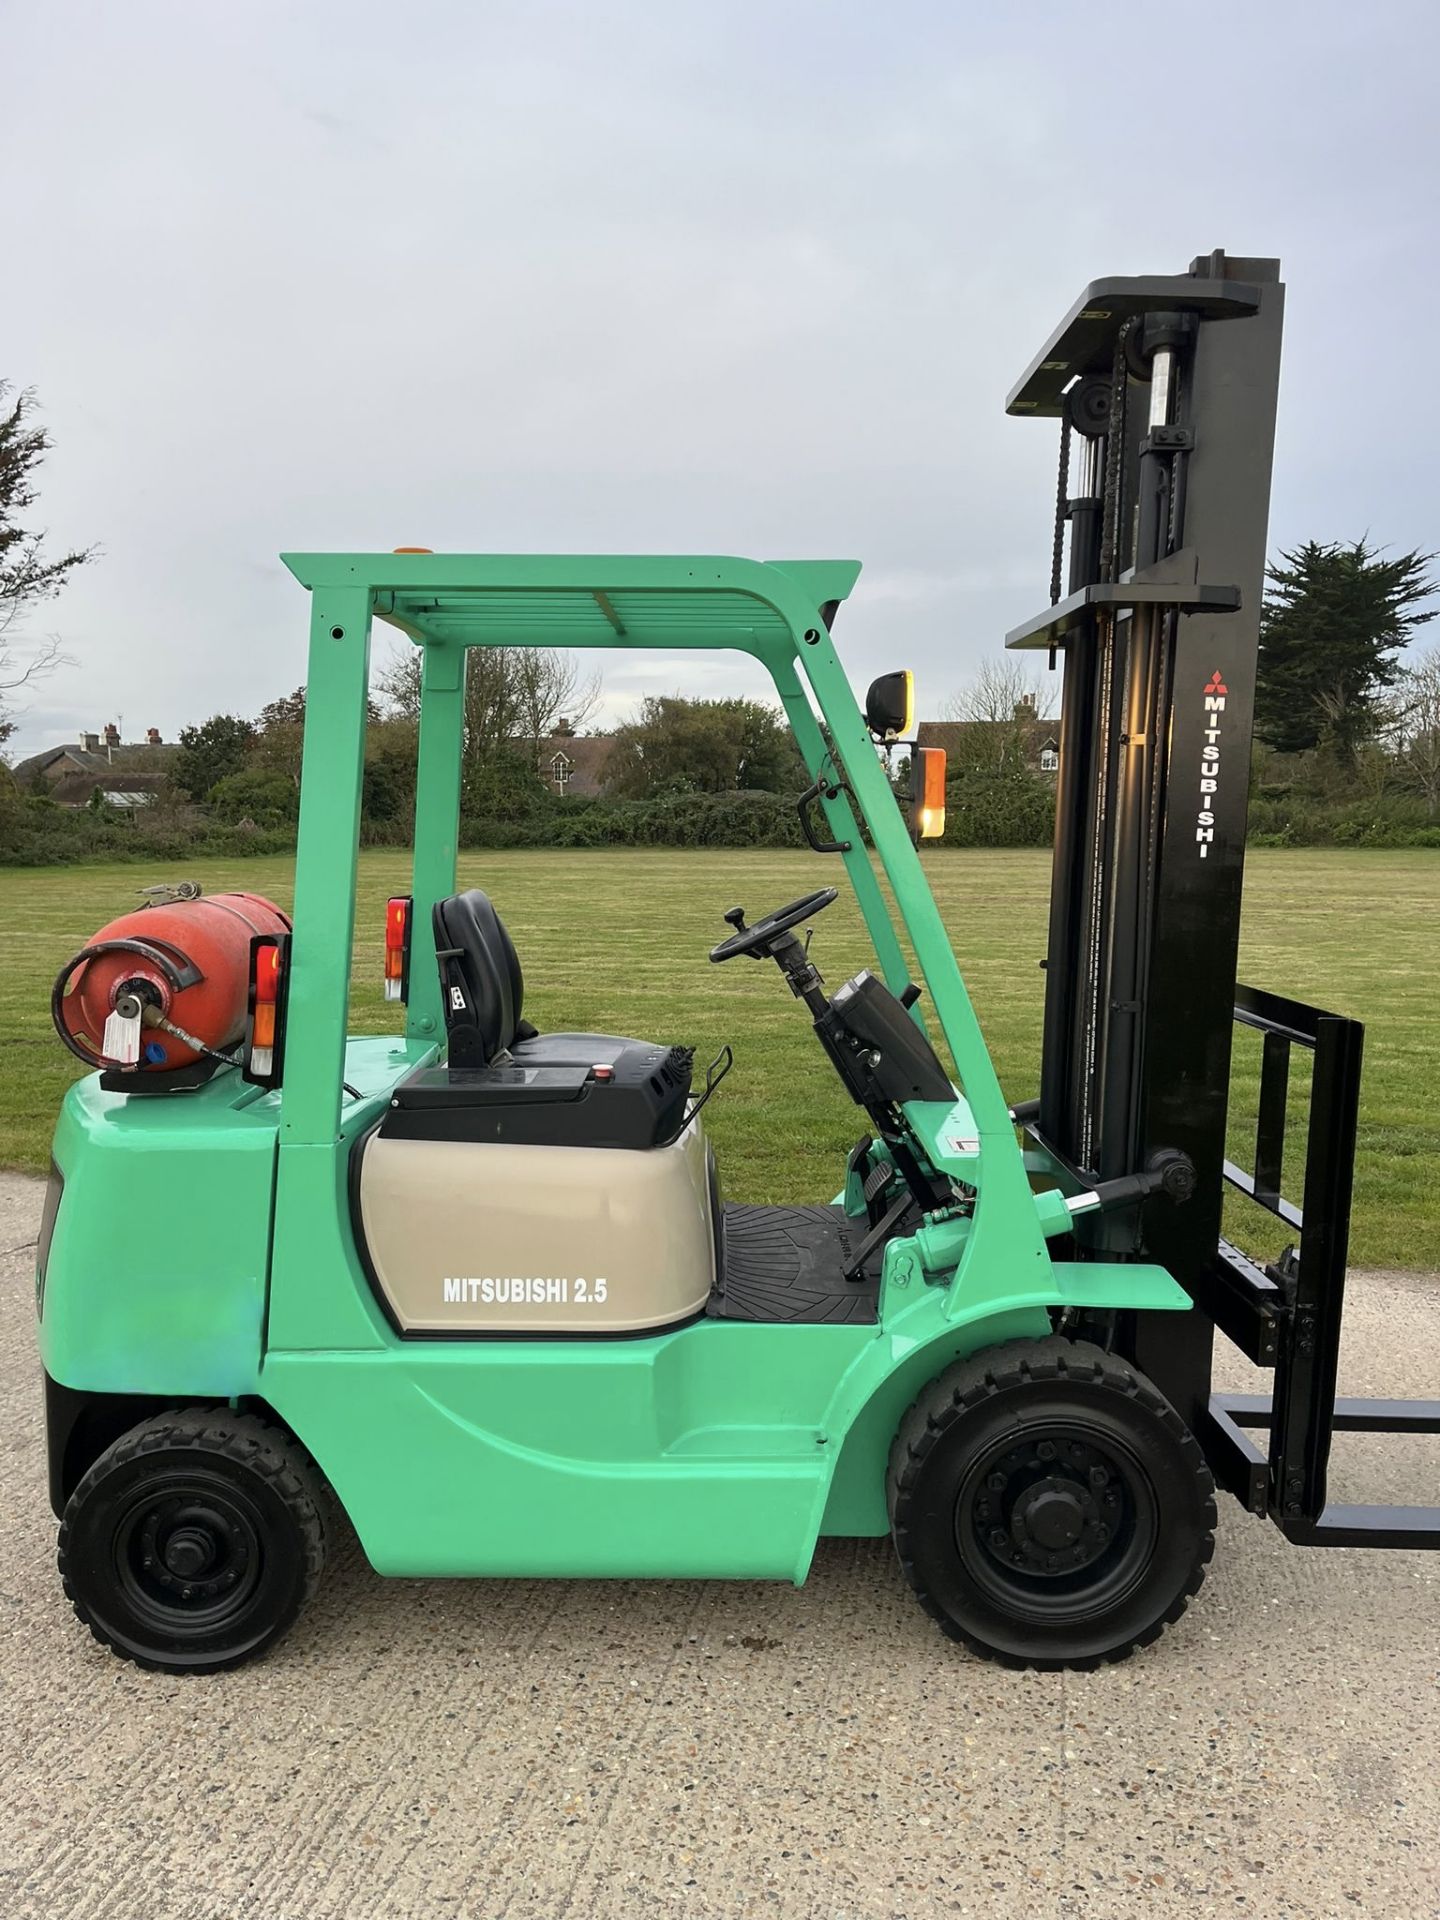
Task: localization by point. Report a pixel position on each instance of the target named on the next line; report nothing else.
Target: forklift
(475, 1285)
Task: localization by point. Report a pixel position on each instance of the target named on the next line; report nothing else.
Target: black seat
(483, 989)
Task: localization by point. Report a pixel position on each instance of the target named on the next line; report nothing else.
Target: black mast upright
(1169, 386)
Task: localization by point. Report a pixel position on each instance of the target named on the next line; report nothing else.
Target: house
(572, 763)
(129, 774)
(1029, 737)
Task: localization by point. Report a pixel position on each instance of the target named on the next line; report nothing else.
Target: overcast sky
(661, 276)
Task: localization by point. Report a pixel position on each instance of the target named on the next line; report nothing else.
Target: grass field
(619, 942)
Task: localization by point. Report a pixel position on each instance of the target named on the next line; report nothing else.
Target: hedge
(981, 811)
(38, 833)
(680, 820)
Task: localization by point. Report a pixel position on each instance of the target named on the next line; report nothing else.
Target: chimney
(112, 735)
(1025, 707)
(90, 742)
(152, 736)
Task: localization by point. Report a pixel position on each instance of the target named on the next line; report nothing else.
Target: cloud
(735, 278)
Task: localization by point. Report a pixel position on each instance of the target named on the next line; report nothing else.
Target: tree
(255, 793)
(27, 574)
(551, 697)
(287, 711)
(211, 752)
(1417, 728)
(1333, 620)
(675, 745)
(279, 742)
(515, 697)
(1001, 709)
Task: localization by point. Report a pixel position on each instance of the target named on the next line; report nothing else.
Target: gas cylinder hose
(152, 1017)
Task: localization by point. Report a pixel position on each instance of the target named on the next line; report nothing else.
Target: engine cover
(487, 1236)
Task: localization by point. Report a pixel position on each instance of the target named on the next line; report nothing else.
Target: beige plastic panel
(491, 1238)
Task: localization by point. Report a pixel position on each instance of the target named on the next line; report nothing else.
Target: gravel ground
(420, 1749)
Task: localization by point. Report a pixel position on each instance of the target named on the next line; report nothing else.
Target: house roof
(74, 789)
(951, 734)
(132, 757)
(589, 756)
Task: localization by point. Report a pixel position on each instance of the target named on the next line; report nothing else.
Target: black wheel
(194, 1541)
(1049, 1506)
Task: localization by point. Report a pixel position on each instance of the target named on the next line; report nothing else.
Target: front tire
(194, 1541)
(1049, 1506)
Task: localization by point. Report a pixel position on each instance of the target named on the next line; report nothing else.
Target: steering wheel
(757, 940)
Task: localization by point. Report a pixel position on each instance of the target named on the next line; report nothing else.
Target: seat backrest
(481, 984)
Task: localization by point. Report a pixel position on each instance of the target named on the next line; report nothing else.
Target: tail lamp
(397, 948)
(264, 1061)
(927, 792)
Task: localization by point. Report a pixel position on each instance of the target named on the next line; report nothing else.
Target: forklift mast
(1165, 388)
(1166, 391)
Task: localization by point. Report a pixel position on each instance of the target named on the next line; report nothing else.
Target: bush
(1303, 820)
(41, 834)
(269, 799)
(999, 810)
(676, 820)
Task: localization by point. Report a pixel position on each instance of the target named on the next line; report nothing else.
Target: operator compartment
(538, 1183)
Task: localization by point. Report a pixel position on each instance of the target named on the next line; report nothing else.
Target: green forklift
(475, 1285)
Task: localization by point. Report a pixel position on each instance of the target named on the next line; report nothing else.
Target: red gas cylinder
(177, 969)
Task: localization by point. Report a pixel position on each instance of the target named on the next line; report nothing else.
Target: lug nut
(1046, 1449)
(1098, 1476)
(995, 1482)
(999, 1538)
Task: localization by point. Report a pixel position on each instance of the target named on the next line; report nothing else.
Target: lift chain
(1062, 508)
(1114, 459)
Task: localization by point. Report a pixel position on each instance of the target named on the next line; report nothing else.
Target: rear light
(397, 948)
(264, 1062)
(927, 792)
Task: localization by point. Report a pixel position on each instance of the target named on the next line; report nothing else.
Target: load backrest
(482, 986)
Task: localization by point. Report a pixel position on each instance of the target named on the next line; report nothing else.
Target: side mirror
(927, 792)
(890, 705)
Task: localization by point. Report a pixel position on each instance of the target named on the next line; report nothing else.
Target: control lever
(1169, 1172)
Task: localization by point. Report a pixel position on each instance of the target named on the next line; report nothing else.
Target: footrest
(788, 1264)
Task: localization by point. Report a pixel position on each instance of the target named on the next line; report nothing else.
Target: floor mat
(787, 1263)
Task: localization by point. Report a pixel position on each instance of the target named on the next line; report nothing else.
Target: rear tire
(1049, 1506)
(193, 1542)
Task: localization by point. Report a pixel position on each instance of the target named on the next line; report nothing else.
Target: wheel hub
(1049, 1507)
(188, 1554)
(189, 1551)
(1051, 1515)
